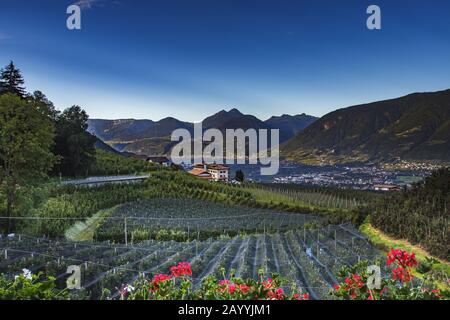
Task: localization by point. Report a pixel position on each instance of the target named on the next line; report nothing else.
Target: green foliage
(314, 196)
(398, 284)
(26, 136)
(187, 219)
(74, 146)
(29, 286)
(419, 215)
(142, 234)
(77, 203)
(109, 163)
(429, 267)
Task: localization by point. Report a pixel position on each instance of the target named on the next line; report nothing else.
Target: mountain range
(413, 127)
(153, 137)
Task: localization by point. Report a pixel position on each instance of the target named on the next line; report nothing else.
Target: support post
(304, 235)
(335, 241)
(125, 231)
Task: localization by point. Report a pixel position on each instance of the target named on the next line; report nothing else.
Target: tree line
(36, 139)
(420, 214)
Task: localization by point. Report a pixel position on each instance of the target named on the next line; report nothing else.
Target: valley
(87, 215)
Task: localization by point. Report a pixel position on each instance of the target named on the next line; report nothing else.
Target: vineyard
(309, 258)
(184, 219)
(120, 233)
(300, 195)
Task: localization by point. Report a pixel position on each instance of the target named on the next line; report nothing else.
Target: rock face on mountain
(153, 137)
(413, 127)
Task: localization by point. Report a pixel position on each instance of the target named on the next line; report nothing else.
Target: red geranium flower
(232, 288)
(158, 278)
(182, 269)
(402, 258)
(244, 288)
(268, 284)
(304, 296)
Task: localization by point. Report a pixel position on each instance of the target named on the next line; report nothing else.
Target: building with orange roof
(212, 172)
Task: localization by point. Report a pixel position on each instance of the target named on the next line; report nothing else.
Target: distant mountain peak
(232, 112)
(168, 119)
(153, 137)
(235, 111)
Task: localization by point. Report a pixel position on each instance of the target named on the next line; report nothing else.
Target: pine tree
(11, 81)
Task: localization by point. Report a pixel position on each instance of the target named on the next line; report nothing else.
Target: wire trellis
(306, 257)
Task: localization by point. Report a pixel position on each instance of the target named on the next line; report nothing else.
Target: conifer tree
(11, 81)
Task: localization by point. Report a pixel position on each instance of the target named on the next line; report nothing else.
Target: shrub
(28, 286)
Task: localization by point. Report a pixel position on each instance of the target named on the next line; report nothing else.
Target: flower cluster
(26, 274)
(404, 263)
(298, 296)
(402, 258)
(178, 285)
(182, 269)
(396, 287)
(352, 285)
(158, 279)
(263, 290)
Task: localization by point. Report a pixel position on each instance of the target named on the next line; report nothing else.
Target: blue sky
(191, 58)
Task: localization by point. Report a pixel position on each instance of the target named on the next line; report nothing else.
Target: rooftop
(212, 166)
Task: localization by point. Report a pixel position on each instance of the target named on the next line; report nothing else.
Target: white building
(217, 172)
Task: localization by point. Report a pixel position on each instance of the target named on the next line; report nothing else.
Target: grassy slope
(385, 243)
(109, 163)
